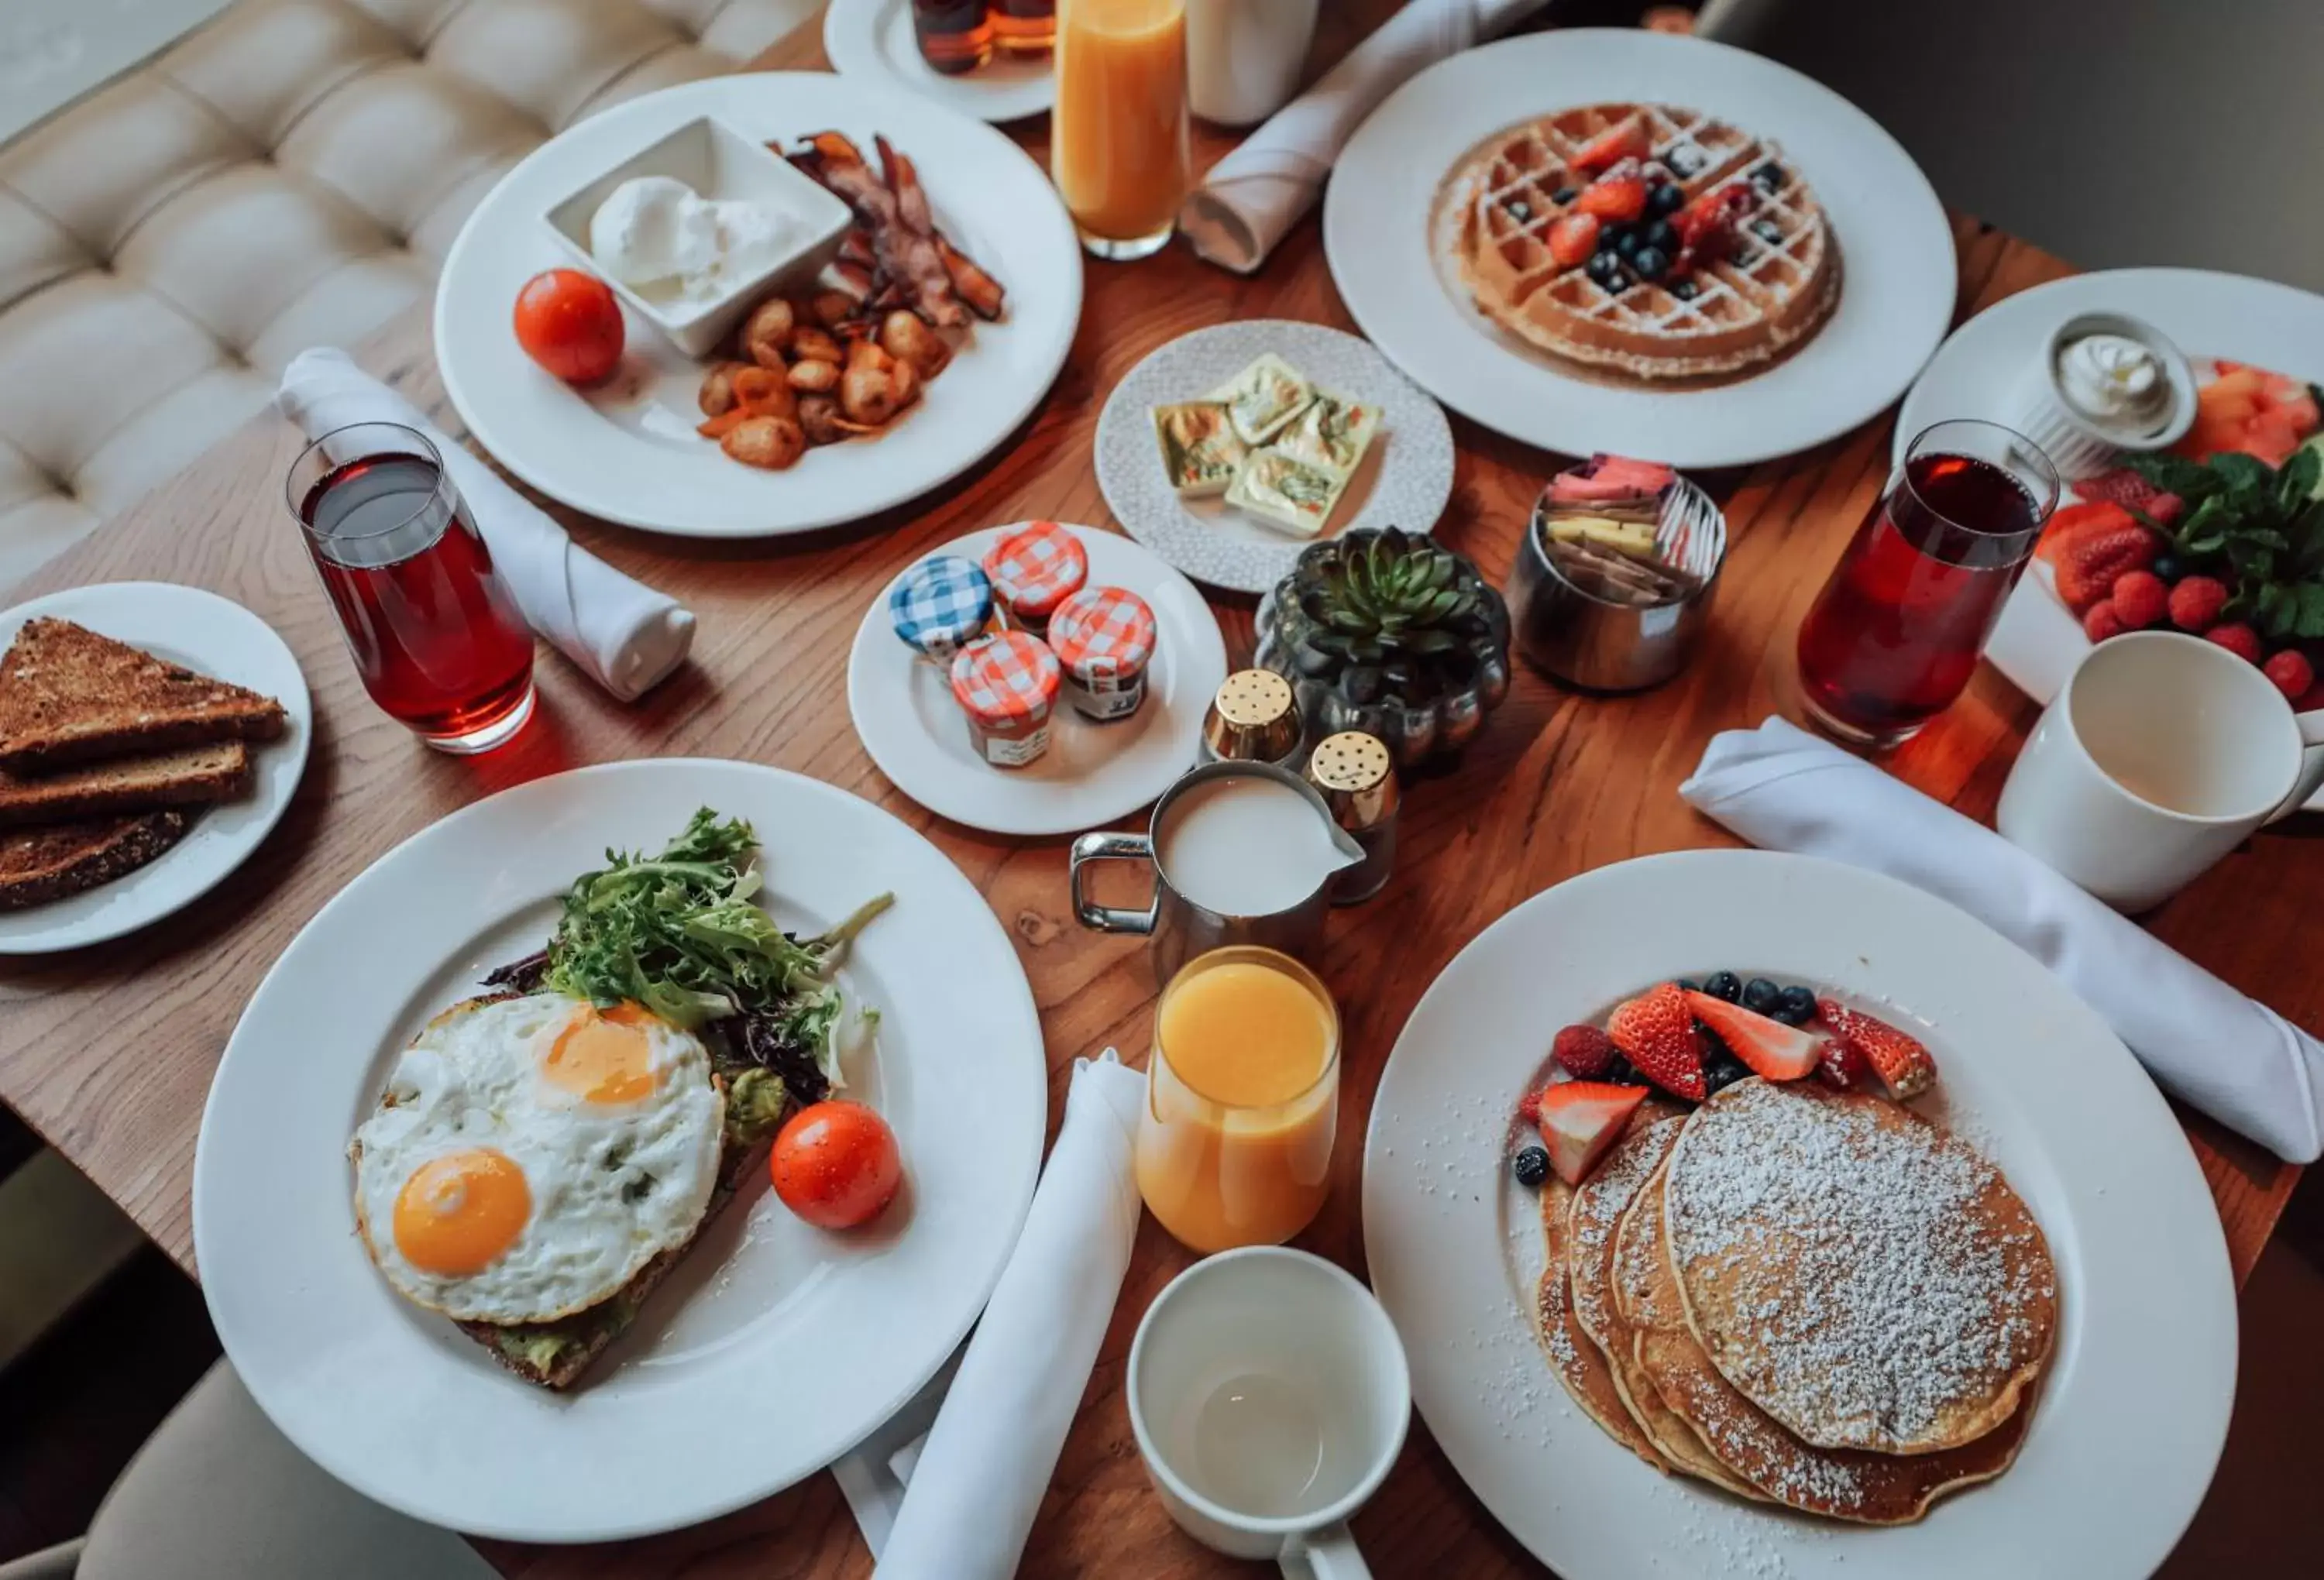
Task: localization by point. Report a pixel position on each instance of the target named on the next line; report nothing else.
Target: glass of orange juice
(1118, 137)
(1242, 1100)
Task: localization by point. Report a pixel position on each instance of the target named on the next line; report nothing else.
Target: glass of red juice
(1894, 635)
(435, 635)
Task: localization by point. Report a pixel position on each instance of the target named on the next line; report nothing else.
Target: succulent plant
(1384, 630)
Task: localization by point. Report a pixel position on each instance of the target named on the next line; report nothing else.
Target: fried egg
(529, 1156)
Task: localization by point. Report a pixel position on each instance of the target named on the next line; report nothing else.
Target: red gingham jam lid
(1102, 631)
(1006, 679)
(1036, 568)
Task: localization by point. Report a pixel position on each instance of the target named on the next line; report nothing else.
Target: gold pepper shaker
(1254, 717)
(1356, 772)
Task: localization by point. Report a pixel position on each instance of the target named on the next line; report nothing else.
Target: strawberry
(1583, 1052)
(2121, 486)
(2164, 509)
(1572, 238)
(1612, 146)
(2236, 638)
(1771, 1048)
(1580, 1119)
(2197, 602)
(1655, 1032)
(2103, 620)
(1900, 1061)
(2140, 598)
(2087, 565)
(1614, 196)
(1706, 227)
(2292, 672)
(2074, 523)
(1842, 1068)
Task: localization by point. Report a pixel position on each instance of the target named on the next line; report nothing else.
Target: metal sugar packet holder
(1598, 620)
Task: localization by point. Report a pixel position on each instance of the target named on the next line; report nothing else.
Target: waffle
(1712, 317)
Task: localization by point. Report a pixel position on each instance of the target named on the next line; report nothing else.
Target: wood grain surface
(108, 1052)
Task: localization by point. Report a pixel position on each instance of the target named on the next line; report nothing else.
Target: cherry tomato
(569, 323)
(835, 1164)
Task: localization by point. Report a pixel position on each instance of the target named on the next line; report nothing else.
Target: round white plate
(1895, 243)
(1404, 480)
(871, 41)
(773, 1347)
(627, 451)
(2134, 1407)
(1092, 774)
(1977, 371)
(217, 637)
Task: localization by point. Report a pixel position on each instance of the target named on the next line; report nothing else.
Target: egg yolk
(604, 1056)
(458, 1212)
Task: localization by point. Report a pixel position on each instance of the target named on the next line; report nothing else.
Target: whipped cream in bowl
(2107, 383)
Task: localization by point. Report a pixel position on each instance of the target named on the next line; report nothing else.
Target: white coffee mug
(2160, 754)
(1244, 57)
(1269, 1395)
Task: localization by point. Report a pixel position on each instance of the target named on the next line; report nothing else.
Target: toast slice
(39, 865)
(197, 776)
(69, 695)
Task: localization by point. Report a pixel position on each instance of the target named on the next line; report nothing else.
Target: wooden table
(108, 1052)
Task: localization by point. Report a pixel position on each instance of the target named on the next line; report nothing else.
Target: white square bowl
(722, 164)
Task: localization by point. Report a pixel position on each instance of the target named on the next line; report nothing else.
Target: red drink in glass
(1894, 635)
(435, 635)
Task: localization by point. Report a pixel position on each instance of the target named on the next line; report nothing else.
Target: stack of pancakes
(1809, 1297)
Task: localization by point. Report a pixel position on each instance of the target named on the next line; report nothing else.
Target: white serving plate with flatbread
(1404, 480)
(1895, 246)
(1092, 774)
(626, 450)
(217, 637)
(2134, 1410)
(873, 41)
(774, 1347)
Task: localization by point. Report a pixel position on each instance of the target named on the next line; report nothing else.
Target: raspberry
(2102, 622)
(2196, 602)
(2238, 638)
(2140, 598)
(1586, 1052)
(2292, 672)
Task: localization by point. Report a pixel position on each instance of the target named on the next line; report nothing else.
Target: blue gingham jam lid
(941, 602)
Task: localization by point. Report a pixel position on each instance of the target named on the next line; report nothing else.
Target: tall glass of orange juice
(1242, 1100)
(1118, 136)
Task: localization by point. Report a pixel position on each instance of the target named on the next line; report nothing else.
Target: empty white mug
(1269, 1395)
(1244, 57)
(2161, 753)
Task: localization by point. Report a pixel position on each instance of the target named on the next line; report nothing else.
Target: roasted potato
(809, 343)
(819, 416)
(767, 331)
(717, 395)
(830, 308)
(774, 442)
(817, 378)
(904, 336)
(764, 393)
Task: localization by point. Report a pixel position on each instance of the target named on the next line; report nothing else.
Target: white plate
(872, 41)
(217, 637)
(1092, 774)
(774, 1347)
(2135, 1408)
(1976, 373)
(627, 451)
(1404, 482)
(1895, 243)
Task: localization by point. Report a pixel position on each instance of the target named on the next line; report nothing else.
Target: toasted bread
(39, 865)
(197, 776)
(69, 695)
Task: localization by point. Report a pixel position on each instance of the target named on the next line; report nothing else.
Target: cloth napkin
(1256, 194)
(624, 635)
(2203, 1041)
(969, 1489)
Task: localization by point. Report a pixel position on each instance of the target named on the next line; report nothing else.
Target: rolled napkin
(621, 632)
(2202, 1040)
(975, 1482)
(1256, 194)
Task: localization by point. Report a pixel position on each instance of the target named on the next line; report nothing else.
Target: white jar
(1244, 57)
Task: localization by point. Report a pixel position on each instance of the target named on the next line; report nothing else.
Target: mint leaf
(2245, 475)
(2189, 480)
(2276, 611)
(2299, 477)
(2308, 625)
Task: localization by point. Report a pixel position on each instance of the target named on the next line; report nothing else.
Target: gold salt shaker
(1356, 773)
(1254, 717)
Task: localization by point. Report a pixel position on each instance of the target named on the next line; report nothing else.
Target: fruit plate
(773, 1347)
(1897, 248)
(2027, 1072)
(1403, 480)
(1976, 372)
(626, 450)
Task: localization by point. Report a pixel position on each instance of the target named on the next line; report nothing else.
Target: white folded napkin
(2202, 1040)
(1256, 194)
(972, 1485)
(624, 635)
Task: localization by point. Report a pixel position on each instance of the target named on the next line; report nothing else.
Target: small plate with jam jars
(1037, 678)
